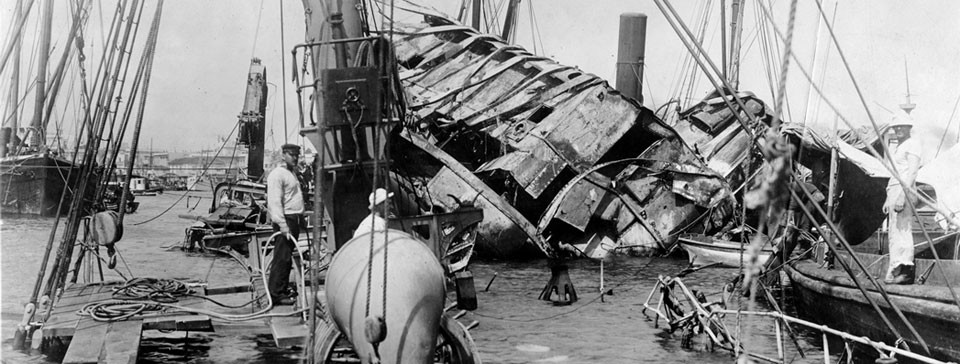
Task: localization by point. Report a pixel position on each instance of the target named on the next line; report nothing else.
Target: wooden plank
(87, 342)
(122, 342)
(179, 323)
(288, 331)
(64, 321)
(228, 289)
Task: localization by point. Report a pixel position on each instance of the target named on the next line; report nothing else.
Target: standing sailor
(906, 162)
(285, 202)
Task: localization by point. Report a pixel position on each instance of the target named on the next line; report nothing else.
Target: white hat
(901, 118)
(379, 196)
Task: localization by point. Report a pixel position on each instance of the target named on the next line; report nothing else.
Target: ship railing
(883, 349)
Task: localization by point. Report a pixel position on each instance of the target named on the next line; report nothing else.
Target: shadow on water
(214, 348)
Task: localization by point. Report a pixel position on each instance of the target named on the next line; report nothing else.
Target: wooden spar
(723, 39)
(510, 22)
(736, 29)
(832, 189)
(477, 10)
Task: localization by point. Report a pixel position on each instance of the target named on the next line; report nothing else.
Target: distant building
(148, 163)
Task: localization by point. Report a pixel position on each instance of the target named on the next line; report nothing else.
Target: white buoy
(414, 297)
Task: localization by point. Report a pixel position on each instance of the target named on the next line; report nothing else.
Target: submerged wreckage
(548, 150)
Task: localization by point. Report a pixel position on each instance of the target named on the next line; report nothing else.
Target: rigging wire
(947, 128)
(256, 32)
(283, 73)
(874, 152)
(202, 173)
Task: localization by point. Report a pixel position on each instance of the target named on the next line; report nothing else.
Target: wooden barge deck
(83, 339)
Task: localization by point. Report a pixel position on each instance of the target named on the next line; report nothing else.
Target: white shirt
(901, 162)
(283, 195)
(372, 222)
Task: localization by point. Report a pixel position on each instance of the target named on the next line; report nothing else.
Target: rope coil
(153, 289)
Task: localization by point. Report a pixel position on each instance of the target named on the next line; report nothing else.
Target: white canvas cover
(943, 173)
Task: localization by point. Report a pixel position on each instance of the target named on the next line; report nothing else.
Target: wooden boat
(830, 297)
(703, 250)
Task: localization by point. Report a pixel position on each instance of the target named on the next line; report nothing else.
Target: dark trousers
(283, 256)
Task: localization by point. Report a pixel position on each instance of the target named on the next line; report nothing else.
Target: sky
(204, 52)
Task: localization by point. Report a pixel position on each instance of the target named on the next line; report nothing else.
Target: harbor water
(514, 326)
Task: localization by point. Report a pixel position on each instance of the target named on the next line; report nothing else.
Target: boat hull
(828, 297)
(703, 250)
(33, 185)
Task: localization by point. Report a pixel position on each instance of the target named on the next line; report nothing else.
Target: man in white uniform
(906, 162)
(375, 221)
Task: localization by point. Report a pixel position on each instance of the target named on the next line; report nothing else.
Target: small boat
(703, 250)
(830, 297)
(833, 296)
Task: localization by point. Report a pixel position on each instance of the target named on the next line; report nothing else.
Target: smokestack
(630, 53)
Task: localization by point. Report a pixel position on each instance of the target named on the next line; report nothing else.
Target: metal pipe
(779, 335)
(826, 348)
(631, 49)
(723, 38)
(845, 336)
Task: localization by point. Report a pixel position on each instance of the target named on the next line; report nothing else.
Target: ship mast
(736, 29)
(39, 136)
(907, 106)
(13, 97)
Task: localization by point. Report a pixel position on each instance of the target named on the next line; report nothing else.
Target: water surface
(514, 326)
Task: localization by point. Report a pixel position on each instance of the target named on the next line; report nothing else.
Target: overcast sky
(205, 47)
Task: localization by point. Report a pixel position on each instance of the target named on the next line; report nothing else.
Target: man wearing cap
(906, 163)
(285, 202)
(375, 221)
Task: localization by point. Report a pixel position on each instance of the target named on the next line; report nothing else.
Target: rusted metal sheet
(535, 140)
(504, 231)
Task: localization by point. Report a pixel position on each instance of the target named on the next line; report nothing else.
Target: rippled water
(514, 327)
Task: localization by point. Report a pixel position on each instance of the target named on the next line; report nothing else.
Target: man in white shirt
(285, 203)
(375, 221)
(906, 162)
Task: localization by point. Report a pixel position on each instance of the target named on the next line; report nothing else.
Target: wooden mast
(736, 17)
(510, 21)
(39, 136)
(13, 97)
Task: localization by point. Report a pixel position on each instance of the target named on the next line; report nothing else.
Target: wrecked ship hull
(639, 206)
(520, 134)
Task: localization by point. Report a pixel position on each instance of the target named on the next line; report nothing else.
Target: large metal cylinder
(630, 53)
(414, 295)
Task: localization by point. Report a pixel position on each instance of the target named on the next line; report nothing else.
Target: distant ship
(33, 183)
